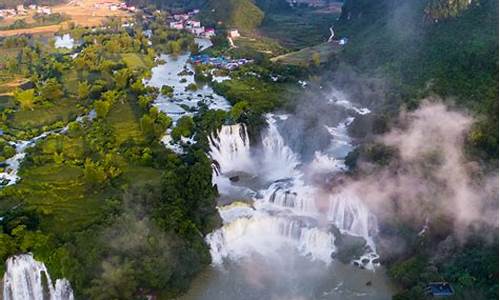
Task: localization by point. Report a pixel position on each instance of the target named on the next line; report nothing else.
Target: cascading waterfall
(28, 279)
(288, 213)
(231, 149)
(279, 161)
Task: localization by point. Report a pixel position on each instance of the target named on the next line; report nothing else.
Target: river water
(276, 203)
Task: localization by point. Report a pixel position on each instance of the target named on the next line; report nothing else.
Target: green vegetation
(431, 58)
(449, 49)
(315, 55)
(241, 14)
(298, 28)
(104, 205)
(40, 20)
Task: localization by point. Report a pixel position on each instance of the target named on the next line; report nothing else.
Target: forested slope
(423, 48)
(438, 49)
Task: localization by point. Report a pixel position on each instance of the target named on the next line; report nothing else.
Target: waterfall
(266, 235)
(279, 161)
(349, 214)
(286, 213)
(28, 279)
(230, 148)
(291, 194)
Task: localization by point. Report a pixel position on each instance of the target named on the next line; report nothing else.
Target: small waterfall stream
(28, 279)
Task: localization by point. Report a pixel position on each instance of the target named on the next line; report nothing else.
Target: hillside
(241, 14)
(430, 49)
(447, 49)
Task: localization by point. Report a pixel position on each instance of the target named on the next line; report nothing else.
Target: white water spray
(28, 279)
(231, 149)
(288, 213)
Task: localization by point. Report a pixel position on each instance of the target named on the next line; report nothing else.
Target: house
(194, 23)
(181, 17)
(176, 25)
(21, 10)
(439, 289)
(32, 6)
(198, 30)
(209, 32)
(44, 10)
(233, 33)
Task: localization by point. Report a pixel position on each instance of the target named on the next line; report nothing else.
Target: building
(194, 23)
(209, 32)
(177, 25)
(181, 17)
(439, 289)
(198, 30)
(21, 10)
(44, 10)
(234, 33)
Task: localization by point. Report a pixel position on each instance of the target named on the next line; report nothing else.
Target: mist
(430, 176)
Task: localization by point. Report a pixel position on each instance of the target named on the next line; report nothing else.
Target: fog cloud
(431, 177)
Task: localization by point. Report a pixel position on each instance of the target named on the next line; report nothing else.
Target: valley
(269, 159)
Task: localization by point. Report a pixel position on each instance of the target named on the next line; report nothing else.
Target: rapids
(281, 216)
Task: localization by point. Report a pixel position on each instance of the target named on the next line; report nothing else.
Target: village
(187, 22)
(22, 10)
(219, 62)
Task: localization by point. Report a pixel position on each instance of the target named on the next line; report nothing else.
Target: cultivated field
(305, 56)
(87, 13)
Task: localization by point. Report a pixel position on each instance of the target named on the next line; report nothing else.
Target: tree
(25, 98)
(316, 58)
(121, 78)
(184, 128)
(83, 90)
(102, 108)
(167, 91)
(191, 87)
(174, 47)
(51, 90)
(147, 126)
(94, 174)
(239, 109)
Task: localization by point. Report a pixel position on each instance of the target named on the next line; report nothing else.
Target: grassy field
(61, 110)
(124, 122)
(304, 56)
(260, 44)
(297, 29)
(6, 101)
(58, 193)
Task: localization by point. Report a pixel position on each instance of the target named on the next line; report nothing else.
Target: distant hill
(448, 48)
(241, 14)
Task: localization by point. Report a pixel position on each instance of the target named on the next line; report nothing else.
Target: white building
(198, 30)
(194, 23)
(176, 25)
(209, 32)
(234, 33)
(21, 10)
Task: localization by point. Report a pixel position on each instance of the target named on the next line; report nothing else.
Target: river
(277, 241)
(282, 215)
